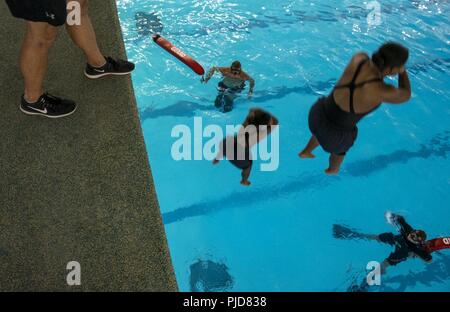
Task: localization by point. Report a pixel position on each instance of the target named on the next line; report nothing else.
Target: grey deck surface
(77, 188)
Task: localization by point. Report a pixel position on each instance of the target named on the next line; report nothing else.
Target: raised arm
(405, 228)
(390, 94)
(210, 73)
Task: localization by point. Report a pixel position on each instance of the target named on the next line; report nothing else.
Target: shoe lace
(51, 101)
(114, 64)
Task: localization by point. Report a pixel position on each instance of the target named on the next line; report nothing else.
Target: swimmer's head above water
(417, 237)
(236, 68)
(259, 117)
(390, 59)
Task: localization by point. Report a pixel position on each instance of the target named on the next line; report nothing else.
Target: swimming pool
(276, 235)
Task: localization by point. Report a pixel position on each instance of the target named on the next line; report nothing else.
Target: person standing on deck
(43, 17)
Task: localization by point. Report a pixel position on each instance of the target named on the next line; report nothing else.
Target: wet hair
(236, 64)
(390, 55)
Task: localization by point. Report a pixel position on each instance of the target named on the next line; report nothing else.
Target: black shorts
(237, 161)
(53, 12)
(239, 89)
(332, 139)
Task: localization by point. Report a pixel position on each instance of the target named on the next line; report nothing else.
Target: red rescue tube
(186, 59)
(438, 244)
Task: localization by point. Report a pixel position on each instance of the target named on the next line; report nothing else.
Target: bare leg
(245, 175)
(34, 57)
(310, 147)
(335, 164)
(83, 36)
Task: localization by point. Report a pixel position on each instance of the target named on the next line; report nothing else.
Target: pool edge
(81, 190)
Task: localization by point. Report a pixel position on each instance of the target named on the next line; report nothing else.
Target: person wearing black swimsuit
(360, 91)
(237, 149)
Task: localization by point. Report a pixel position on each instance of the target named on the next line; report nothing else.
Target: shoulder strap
(358, 70)
(355, 76)
(353, 86)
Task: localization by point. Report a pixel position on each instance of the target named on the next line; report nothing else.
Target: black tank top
(343, 119)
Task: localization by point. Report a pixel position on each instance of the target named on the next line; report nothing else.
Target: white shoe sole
(106, 74)
(48, 116)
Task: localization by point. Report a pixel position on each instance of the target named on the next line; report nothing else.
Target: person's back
(366, 95)
(42, 19)
(361, 90)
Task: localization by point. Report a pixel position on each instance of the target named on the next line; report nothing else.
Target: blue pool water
(276, 235)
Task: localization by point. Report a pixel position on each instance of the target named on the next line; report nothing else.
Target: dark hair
(390, 55)
(236, 64)
(258, 117)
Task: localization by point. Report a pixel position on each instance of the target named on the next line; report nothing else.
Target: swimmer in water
(359, 92)
(233, 82)
(409, 243)
(237, 149)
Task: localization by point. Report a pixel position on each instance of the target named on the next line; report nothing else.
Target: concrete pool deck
(77, 188)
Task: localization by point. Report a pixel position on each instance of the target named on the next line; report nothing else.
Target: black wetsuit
(53, 12)
(403, 247)
(334, 128)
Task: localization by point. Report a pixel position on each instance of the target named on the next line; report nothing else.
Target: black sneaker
(49, 106)
(112, 67)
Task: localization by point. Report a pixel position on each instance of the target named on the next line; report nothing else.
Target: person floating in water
(409, 243)
(237, 149)
(233, 82)
(360, 91)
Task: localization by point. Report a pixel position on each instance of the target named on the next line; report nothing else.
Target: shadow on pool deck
(77, 188)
